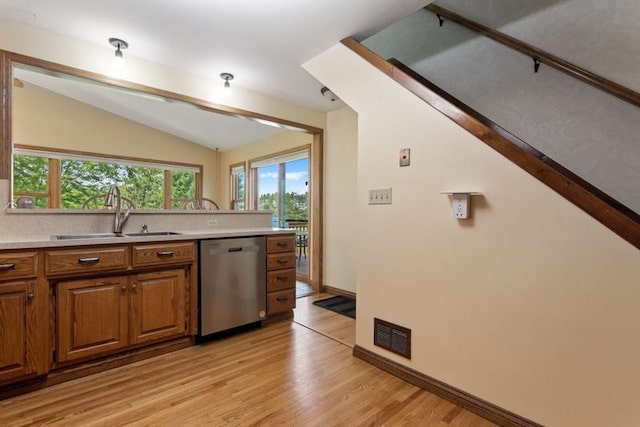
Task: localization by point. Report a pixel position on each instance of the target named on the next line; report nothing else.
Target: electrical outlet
(460, 206)
(381, 196)
(212, 222)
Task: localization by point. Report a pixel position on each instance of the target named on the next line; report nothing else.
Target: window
(281, 186)
(183, 187)
(238, 187)
(33, 180)
(59, 180)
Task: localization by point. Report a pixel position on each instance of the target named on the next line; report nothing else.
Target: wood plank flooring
(326, 322)
(282, 374)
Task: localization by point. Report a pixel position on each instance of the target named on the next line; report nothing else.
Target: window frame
(55, 156)
(234, 186)
(278, 158)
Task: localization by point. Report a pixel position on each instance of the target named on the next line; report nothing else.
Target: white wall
(340, 199)
(531, 305)
(586, 130)
(47, 119)
(27, 40)
(601, 36)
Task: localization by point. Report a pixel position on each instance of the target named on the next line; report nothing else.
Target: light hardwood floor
(282, 374)
(326, 322)
(303, 289)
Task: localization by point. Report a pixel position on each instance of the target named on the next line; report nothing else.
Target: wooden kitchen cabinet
(16, 312)
(98, 316)
(23, 315)
(281, 243)
(158, 304)
(86, 260)
(92, 317)
(146, 302)
(162, 254)
(17, 265)
(281, 274)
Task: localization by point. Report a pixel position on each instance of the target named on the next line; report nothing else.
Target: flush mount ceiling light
(119, 45)
(227, 86)
(326, 92)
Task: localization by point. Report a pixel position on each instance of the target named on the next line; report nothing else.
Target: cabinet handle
(5, 267)
(134, 287)
(282, 299)
(282, 244)
(281, 277)
(164, 253)
(31, 296)
(123, 289)
(282, 261)
(89, 260)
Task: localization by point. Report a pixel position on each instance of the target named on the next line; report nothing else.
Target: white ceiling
(262, 42)
(214, 131)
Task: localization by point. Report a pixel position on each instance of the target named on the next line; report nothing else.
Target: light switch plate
(380, 196)
(405, 157)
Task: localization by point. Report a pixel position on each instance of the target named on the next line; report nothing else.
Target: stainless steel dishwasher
(232, 283)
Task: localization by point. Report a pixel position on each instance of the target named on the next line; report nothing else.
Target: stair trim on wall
(540, 56)
(452, 394)
(608, 211)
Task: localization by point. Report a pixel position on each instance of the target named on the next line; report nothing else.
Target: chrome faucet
(114, 196)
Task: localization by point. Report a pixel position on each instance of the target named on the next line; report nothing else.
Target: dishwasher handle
(218, 249)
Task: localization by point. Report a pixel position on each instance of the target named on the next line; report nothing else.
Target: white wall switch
(405, 157)
(460, 203)
(380, 196)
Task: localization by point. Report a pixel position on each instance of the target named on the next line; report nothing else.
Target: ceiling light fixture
(227, 86)
(119, 45)
(326, 92)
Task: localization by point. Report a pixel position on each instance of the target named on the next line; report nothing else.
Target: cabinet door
(17, 309)
(157, 305)
(93, 317)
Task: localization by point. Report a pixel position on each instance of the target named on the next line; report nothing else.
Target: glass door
(282, 186)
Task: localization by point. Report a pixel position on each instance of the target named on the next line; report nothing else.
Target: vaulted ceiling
(263, 43)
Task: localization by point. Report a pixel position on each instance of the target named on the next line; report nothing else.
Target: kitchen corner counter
(49, 241)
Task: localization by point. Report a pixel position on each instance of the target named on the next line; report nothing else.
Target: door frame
(314, 276)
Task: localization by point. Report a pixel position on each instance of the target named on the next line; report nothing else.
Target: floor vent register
(392, 337)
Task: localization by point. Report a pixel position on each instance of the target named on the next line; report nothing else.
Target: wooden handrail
(540, 55)
(611, 213)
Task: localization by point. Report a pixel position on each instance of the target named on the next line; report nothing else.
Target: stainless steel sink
(151, 233)
(113, 235)
(88, 236)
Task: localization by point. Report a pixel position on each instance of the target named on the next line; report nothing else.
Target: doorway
(282, 186)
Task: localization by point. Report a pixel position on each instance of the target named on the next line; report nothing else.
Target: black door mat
(341, 305)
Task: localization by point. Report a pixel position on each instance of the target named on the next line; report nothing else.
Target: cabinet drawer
(280, 261)
(162, 253)
(281, 279)
(86, 260)
(18, 265)
(281, 243)
(280, 301)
